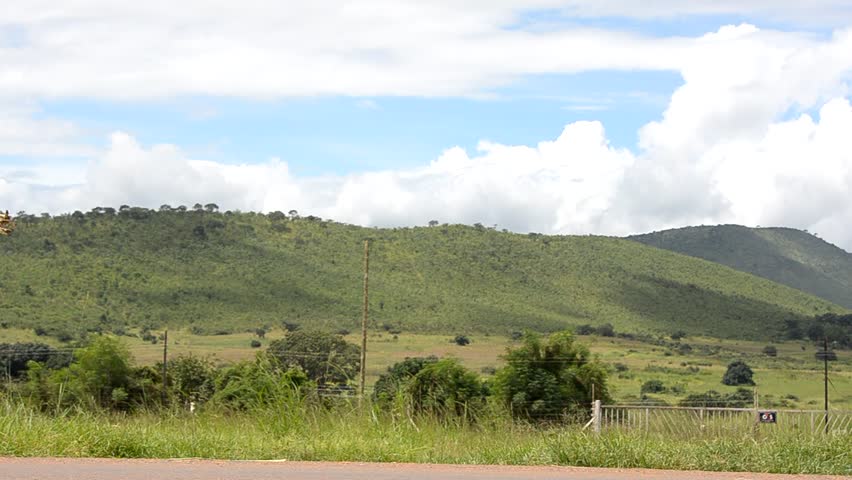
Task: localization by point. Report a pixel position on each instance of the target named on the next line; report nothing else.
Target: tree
(677, 335)
(770, 351)
(325, 357)
(606, 330)
(549, 378)
(393, 382)
(461, 340)
(815, 331)
(198, 207)
(101, 373)
(433, 223)
(211, 208)
(192, 378)
(738, 373)
(445, 388)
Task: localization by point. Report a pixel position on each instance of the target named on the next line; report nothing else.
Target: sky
(607, 117)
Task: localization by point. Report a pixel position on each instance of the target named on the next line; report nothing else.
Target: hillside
(784, 255)
(222, 272)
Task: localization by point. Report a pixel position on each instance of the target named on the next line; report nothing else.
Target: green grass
(233, 272)
(352, 434)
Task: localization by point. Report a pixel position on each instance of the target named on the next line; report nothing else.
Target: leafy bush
(446, 389)
(461, 340)
(325, 358)
(392, 383)
(192, 378)
(550, 378)
(770, 351)
(255, 344)
(738, 373)
(653, 386)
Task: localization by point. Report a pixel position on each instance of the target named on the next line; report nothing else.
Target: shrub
(323, 356)
(620, 367)
(192, 378)
(677, 335)
(770, 351)
(653, 386)
(584, 330)
(445, 389)
(738, 373)
(606, 330)
(461, 340)
(255, 344)
(548, 378)
(393, 382)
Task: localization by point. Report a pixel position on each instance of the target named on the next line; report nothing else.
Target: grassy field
(793, 372)
(347, 433)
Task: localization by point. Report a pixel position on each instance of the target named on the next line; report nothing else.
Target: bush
(653, 386)
(606, 330)
(770, 351)
(461, 340)
(550, 378)
(679, 334)
(255, 344)
(391, 384)
(446, 389)
(192, 378)
(325, 358)
(738, 373)
(584, 330)
(620, 367)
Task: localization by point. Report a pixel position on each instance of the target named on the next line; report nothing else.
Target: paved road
(103, 469)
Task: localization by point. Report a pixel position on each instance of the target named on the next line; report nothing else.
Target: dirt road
(103, 469)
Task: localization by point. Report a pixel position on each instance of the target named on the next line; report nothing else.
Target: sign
(767, 417)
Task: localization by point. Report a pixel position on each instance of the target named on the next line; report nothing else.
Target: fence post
(596, 416)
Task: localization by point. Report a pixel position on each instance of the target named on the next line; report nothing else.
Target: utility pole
(364, 318)
(825, 377)
(165, 362)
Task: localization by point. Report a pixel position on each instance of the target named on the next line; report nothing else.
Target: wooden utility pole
(825, 377)
(364, 318)
(165, 362)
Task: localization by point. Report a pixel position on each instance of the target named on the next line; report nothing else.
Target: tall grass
(306, 431)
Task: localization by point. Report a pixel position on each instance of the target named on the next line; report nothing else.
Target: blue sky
(342, 135)
(597, 116)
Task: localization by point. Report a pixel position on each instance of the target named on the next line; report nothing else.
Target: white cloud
(815, 12)
(722, 152)
(23, 132)
(157, 48)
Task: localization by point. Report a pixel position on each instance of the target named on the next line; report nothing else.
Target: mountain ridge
(785, 255)
(212, 272)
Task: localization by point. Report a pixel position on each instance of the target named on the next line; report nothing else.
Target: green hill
(784, 255)
(223, 272)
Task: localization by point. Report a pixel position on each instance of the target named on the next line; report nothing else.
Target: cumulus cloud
(159, 48)
(737, 142)
(797, 173)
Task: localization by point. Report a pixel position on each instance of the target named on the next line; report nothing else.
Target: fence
(716, 421)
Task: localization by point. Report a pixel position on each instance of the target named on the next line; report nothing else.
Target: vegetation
(135, 270)
(550, 379)
(326, 358)
(784, 255)
(301, 430)
(738, 373)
